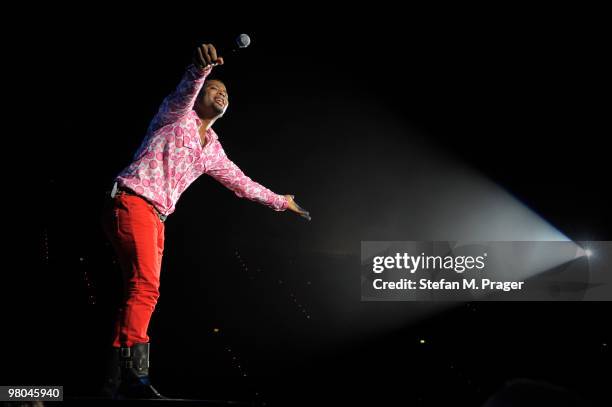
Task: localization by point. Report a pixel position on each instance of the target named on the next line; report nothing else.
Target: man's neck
(207, 123)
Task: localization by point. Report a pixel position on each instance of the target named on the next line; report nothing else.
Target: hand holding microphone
(206, 54)
(293, 206)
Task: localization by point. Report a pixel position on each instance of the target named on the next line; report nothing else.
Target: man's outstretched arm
(232, 177)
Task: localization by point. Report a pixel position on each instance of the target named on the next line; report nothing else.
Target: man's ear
(201, 93)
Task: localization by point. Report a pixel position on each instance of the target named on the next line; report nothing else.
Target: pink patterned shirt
(171, 156)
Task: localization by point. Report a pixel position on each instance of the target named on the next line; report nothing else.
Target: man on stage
(180, 145)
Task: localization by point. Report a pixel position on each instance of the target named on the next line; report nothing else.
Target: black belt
(117, 189)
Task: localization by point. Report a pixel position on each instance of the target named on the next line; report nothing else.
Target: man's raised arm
(181, 101)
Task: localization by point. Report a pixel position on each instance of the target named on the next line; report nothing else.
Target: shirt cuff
(284, 203)
(199, 72)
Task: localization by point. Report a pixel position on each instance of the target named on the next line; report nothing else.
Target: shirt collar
(210, 131)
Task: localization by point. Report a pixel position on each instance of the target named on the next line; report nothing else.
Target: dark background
(517, 96)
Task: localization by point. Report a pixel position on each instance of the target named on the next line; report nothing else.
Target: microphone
(304, 214)
(241, 41)
(228, 48)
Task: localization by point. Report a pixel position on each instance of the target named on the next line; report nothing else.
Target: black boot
(135, 384)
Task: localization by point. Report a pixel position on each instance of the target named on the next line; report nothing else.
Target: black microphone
(241, 41)
(229, 48)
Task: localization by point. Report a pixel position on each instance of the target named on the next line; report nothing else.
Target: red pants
(137, 235)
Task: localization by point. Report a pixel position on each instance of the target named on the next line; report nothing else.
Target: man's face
(214, 98)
